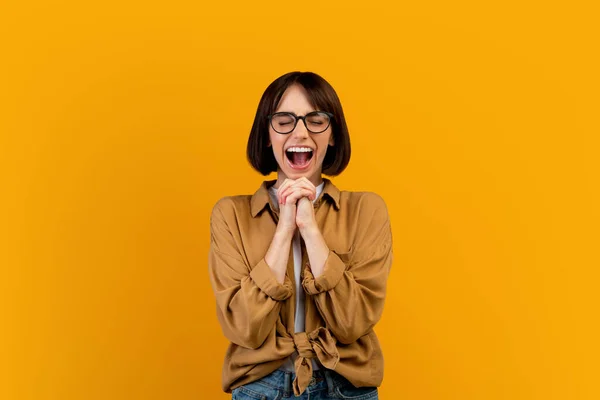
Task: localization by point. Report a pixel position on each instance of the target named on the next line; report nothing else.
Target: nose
(300, 130)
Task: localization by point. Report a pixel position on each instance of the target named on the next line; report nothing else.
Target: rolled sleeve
(350, 293)
(264, 278)
(332, 274)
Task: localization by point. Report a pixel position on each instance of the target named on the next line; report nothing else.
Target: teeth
(300, 150)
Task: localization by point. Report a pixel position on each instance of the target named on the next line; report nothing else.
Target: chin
(291, 173)
(306, 174)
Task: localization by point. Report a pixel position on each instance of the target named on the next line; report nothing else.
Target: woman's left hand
(305, 214)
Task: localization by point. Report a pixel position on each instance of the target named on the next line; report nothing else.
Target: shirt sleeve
(248, 297)
(350, 292)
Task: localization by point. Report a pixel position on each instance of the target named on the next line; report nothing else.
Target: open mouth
(299, 157)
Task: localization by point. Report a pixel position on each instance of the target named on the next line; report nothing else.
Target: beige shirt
(342, 305)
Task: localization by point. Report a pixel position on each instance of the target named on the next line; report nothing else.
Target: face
(299, 153)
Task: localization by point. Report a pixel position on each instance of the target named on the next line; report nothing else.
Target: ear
(331, 140)
(269, 143)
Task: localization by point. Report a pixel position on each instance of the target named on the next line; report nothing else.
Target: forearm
(316, 249)
(278, 254)
(249, 296)
(248, 304)
(350, 290)
(350, 309)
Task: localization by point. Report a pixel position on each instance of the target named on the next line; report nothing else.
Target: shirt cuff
(332, 273)
(264, 278)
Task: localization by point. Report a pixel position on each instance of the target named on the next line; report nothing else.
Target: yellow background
(122, 123)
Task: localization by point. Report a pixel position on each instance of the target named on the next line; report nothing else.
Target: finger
(289, 190)
(286, 183)
(306, 184)
(305, 179)
(297, 194)
(293, 185)
(283, 185)
(294, 197)
(313, 189)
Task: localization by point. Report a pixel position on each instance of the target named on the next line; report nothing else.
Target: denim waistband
(282, 379)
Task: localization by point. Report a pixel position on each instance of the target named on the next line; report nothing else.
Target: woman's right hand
(278, 253)
(287, 211)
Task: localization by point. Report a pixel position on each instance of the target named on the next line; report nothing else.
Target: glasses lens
(317, 122)
(283, 123)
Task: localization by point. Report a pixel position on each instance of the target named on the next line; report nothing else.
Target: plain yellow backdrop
(122, 123)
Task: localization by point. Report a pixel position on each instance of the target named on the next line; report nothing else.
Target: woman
(299, 269)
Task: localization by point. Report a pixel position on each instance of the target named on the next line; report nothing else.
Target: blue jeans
(325, 384)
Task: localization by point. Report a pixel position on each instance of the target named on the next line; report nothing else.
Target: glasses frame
(299, 117)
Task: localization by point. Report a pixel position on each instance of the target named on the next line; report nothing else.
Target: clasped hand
(295, 199)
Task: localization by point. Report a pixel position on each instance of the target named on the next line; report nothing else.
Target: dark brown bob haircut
(322, 97)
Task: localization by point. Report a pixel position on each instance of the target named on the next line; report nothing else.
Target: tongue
(299, 159)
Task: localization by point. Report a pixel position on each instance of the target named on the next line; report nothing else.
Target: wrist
(283, 234)
(309, 231)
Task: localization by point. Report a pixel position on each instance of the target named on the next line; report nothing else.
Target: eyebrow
(294, 114)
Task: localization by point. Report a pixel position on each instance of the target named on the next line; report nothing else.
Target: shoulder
(230, 206)
(363, 202)
(369, 222)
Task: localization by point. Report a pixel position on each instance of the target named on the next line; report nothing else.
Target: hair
(322, 97)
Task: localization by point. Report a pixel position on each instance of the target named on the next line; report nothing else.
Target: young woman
(299, 269)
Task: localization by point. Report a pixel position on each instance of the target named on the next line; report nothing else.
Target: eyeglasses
(315, 122)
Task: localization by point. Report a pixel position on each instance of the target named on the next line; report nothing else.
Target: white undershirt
(297, 251)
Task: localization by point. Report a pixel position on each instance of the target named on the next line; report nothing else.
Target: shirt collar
(260, 199)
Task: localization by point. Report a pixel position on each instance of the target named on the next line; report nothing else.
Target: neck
(315, 179)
